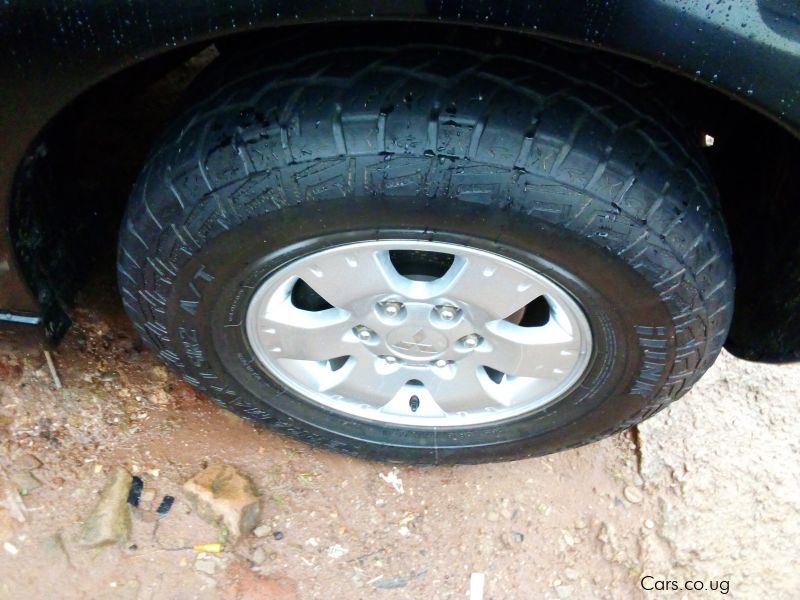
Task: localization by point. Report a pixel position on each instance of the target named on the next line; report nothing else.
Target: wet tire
(544, 163)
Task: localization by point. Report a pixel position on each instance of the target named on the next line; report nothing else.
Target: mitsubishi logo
(418, 343)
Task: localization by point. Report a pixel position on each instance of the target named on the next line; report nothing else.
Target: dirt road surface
(706, 491)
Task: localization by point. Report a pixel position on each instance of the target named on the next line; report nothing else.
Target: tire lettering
(655, 362)
(190, 306)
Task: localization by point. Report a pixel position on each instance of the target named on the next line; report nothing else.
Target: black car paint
(52, 52)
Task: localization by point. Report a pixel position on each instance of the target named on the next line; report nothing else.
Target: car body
(745, 50)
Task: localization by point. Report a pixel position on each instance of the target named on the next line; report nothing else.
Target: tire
(553, 165)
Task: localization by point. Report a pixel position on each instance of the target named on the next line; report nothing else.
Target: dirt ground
(706, 491)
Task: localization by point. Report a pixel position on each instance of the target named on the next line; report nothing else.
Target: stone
(571, 574)
(221, 494)
(512, 539)
(633, 494)
(259, 556)
(262, 531)
(110, 521)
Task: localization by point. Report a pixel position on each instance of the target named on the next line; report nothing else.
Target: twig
(53, 372)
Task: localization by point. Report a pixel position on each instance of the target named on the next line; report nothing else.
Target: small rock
(512, 539)
(10, 548)
(633, 494)
(278, 535)
(110, 521)
(160, 373)
(571, 574)
(205, 565)
(27, 462)
(492, 517)
(649, 523)
(220, 493)
(262, 531)
(259, 556)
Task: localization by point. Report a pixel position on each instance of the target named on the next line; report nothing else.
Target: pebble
(571, 574)
(649, 524)
(493, 517)
(262, 531)
(633, 494)
(259, 556)
(512, 539)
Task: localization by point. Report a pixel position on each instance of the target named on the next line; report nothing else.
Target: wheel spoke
(342, 278)
(500, 289)
(367, 377)
(546, 352)
(470, 390)
(305, 335)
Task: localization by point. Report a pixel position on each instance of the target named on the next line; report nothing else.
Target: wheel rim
(419, 333)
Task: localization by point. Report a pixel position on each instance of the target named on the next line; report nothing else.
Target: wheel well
(70, 192)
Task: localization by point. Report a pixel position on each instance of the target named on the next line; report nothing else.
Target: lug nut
(390, 359)
(392, 309)
(441, 363)
(363, 333)
(471, 341)
(447, 313)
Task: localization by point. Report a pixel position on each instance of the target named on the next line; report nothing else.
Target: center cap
(413, 341)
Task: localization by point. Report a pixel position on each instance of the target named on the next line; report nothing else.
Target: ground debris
(633, 494)
(220, 493)
(110, 521)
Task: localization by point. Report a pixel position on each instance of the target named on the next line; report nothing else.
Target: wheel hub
(448, 350)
